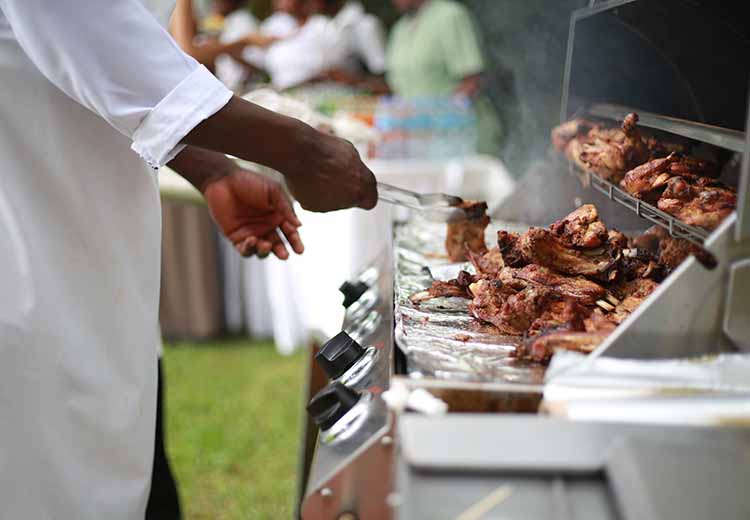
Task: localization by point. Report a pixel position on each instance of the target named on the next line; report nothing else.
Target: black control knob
(331, 404)
(352, 292)
(339, 354)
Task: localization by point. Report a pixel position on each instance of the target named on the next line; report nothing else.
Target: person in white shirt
(281, 23)
(357, 52)
(92, 93)
(234, 72)
(336, 42)
(301, 56)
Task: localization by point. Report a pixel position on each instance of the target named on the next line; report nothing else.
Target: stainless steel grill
(682, 66)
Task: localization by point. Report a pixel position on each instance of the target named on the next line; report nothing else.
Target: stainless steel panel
(352, 472)
(538, 468)
(737, 313)
(715, 135)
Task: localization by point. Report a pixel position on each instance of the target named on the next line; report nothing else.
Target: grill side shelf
(676, 228)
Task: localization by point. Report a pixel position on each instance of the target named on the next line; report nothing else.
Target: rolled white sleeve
(114, 58)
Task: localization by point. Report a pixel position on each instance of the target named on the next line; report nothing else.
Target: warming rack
(674, 226)
(715, 135)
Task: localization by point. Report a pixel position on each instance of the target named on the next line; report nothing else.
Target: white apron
(80, 238)
(80, 228)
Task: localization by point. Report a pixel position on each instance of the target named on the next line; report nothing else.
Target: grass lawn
(232, 428)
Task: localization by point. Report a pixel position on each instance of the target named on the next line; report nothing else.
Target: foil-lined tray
(439, 337)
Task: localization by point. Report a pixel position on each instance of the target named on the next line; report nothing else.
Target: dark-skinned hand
(253, 212)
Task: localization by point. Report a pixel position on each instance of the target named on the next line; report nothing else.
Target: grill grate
(674, 226)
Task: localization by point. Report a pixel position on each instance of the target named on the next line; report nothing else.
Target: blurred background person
(299, 58)
(281, 23)
(357, 48)
(184, 29)
(434, 50)
(237, 23)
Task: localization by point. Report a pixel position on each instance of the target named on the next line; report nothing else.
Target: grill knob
(339, 354)
(331, 404)
(352, 292)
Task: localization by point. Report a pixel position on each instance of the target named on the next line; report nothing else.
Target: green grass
(232, 428)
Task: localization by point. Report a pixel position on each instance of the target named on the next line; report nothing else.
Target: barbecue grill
(682, 66)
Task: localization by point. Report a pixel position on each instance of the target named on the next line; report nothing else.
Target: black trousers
(163, 501)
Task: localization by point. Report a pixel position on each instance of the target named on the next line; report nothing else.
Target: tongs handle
(398, 196)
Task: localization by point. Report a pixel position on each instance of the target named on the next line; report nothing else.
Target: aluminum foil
(439, 336)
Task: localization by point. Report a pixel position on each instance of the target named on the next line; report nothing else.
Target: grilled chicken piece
(617, 239)
(599, 322)
(577, 288)
(541, 247)
(674, 251)
(490, 297)
(509, 246)
(704, 206)
(648, 181)
(440, 289)
(669, 252)
(467, 234)
(649, 239)
(563, 134)
(641, 263)
(631, 294)
(689, 165)
(487, 264)
(526, 308)
(581, 229)
(611, 153)
(543, 347)
(560, 315)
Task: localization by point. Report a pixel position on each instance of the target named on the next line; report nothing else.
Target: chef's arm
(322, 171)
(252, 211)
(200, 166)
(251, 132)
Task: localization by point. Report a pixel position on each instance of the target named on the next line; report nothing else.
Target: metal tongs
(435, 206)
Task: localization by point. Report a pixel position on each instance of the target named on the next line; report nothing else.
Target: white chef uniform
(81, 82)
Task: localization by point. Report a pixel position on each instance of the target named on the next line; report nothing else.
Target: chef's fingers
(247, 247)
(292, 236)
(280, 250)
(287, 211)
(264, 248)
(273, 243)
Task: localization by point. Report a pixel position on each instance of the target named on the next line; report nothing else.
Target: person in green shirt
(434, 50)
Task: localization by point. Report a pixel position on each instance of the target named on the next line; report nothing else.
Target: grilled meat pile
(566, 286)
(607, 152)
(656, 172)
